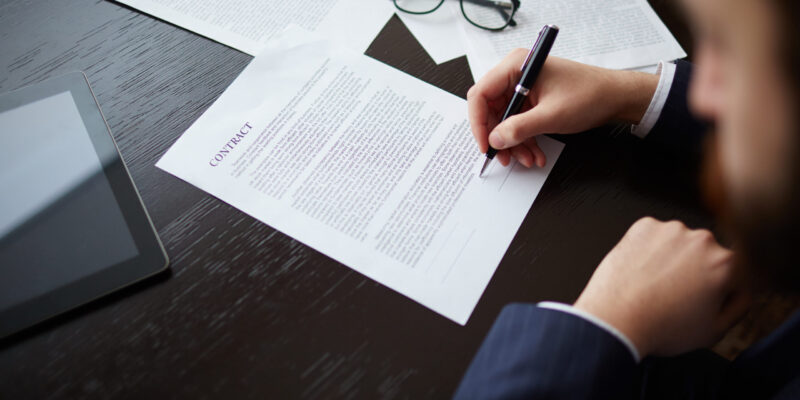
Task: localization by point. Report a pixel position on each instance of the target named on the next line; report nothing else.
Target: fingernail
(496, 141)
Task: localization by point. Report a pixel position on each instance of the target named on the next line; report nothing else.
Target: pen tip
(483, 168)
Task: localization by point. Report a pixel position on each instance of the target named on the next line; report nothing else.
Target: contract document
(619, 34)
(365, 164)
(246, 25)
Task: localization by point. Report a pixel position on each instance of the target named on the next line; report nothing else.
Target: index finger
(478, 111)
(494, 85)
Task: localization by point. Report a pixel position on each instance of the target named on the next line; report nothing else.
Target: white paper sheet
(246, 25)
(364, 163)
(438, 32)
(619, 34)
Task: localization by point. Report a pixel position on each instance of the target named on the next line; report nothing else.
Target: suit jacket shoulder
(534, 352)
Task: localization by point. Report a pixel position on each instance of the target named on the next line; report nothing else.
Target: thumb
(521, 127)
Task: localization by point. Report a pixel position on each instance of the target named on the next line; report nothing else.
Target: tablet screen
(60, 220)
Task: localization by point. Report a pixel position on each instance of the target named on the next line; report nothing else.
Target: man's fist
(669, 289)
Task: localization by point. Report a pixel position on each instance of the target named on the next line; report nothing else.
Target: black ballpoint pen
(530, 71)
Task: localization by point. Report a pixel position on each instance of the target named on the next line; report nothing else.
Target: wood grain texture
(247, 312)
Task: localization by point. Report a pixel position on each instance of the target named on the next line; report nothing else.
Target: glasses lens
(417, 6)
(489, 14)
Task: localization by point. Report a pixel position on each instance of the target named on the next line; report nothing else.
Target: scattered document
(623, 34)
(246, 25)
(364, 163)
(619, 34)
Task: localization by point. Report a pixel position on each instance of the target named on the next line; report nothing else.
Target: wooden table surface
(247, 312)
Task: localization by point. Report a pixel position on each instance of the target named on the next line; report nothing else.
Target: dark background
(246, 311)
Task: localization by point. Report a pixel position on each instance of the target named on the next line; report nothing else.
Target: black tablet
(72, 225)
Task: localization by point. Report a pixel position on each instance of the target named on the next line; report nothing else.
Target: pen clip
(535, 45)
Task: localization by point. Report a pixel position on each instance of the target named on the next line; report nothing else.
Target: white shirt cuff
(597, 321)
(667, 74)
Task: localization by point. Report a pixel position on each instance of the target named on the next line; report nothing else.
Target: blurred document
(619, 34)
(364, 163)
(246, 25)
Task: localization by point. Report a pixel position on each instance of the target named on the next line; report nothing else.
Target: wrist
(615, 316)
(635, 91)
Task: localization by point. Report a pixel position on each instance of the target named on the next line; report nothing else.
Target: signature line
(444, 278)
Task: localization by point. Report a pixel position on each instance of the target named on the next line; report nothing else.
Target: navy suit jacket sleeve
(677, 128)
(539, 353)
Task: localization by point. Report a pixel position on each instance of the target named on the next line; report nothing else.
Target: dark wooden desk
(247, 312)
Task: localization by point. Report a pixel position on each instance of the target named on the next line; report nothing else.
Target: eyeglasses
(492, 15)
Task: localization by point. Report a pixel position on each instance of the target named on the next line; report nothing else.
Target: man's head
(746, 82)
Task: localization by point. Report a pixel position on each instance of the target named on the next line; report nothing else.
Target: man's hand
(568, 97)
(669, 289)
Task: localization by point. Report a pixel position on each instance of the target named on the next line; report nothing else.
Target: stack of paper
(247, 25)
(620, 34)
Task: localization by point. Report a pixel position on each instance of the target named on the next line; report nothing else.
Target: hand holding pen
(568, 97)
(531, 68)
